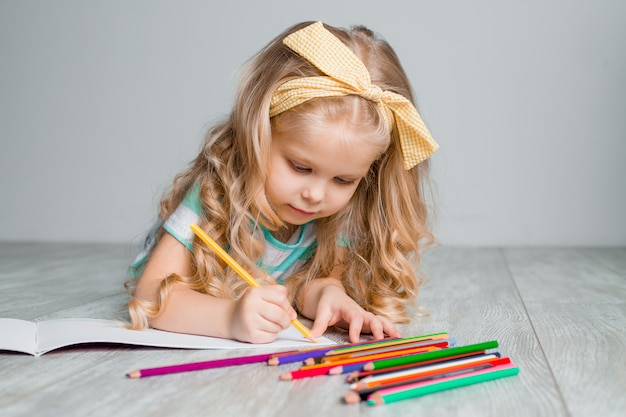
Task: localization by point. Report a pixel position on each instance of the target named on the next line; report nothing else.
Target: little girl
(313, 182)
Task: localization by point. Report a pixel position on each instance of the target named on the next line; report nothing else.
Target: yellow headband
(346, 74)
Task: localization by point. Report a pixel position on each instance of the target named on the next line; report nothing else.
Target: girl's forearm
(184, 310)
(188, 311)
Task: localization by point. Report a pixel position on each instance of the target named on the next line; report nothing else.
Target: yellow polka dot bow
(346, 74)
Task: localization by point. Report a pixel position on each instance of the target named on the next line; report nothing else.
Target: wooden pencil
(357, 375)
(303, 355)
(445, 366)
(443, 353)
(374, 357)
(384, 349)
(389, 395)
(362, 393)
(197, 366)
(331, 351)
(341, 350)
(303, 373)
(325, 368)
(243, 273)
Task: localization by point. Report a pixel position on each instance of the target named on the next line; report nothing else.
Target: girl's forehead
(336, 149)
(340, 130)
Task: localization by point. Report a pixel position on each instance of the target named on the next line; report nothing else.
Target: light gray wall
(101, 103)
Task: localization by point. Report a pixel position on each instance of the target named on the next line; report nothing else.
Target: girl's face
(314, 172)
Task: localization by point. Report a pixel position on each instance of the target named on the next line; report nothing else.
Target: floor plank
(576, 301)
(471, 294)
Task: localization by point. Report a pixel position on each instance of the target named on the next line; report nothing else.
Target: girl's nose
(313, 192)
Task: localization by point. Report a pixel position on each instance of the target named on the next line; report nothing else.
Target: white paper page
(18, 335)
(54, 334)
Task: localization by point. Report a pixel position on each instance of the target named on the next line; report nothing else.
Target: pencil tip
(286, 376)
(352, 377)
(375, 399)
(273, 361)
(134, 374)
(351, 397)
(337, 370)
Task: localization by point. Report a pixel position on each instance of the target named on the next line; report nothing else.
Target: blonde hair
(385, 222)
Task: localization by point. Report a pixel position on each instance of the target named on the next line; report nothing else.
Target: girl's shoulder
(192, 199)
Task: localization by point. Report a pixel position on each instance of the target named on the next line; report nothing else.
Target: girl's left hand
(336, 308)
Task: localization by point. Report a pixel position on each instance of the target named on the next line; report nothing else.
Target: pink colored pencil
(197, 366)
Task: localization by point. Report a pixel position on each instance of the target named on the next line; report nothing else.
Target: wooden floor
(559, 313)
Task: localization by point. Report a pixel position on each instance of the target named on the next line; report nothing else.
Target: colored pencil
(303, 373)
(443, 353)
(374, 357)
(341, 350)
(344, 369)
(425, 370)
(243, 273)
(324, 368)
(303, 355)
(358, 375)
(385, 349)
(362, 393)
(197, 366)
(386, 396)
(364, 389)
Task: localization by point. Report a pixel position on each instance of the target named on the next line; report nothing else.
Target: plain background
(102, 102)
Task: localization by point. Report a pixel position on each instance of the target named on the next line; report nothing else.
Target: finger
(321, 323)
(277, 294)
(276, 317)
(376, 328)
(261, 336)
(389, 329)
(356, 325)
(273, 293)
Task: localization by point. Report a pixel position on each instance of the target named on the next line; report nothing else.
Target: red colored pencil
(306, 373)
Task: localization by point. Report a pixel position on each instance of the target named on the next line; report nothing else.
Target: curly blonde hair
(385, 222)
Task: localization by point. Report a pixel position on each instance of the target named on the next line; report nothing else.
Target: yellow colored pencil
(243, 273)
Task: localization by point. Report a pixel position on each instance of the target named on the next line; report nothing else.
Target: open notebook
(37, 338)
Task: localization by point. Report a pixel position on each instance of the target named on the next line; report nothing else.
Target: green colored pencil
(402, 393)
(422, 357)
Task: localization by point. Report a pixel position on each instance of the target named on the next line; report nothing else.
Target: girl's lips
(301, 212)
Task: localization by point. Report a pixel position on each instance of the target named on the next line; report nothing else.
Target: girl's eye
(343, 181)
(299, 168)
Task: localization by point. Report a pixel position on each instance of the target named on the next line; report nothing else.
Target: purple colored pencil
(298, 356)
(197, 366)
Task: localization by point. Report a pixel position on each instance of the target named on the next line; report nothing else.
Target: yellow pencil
(243, 273)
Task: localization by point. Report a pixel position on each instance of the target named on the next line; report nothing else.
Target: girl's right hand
(261, 313)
